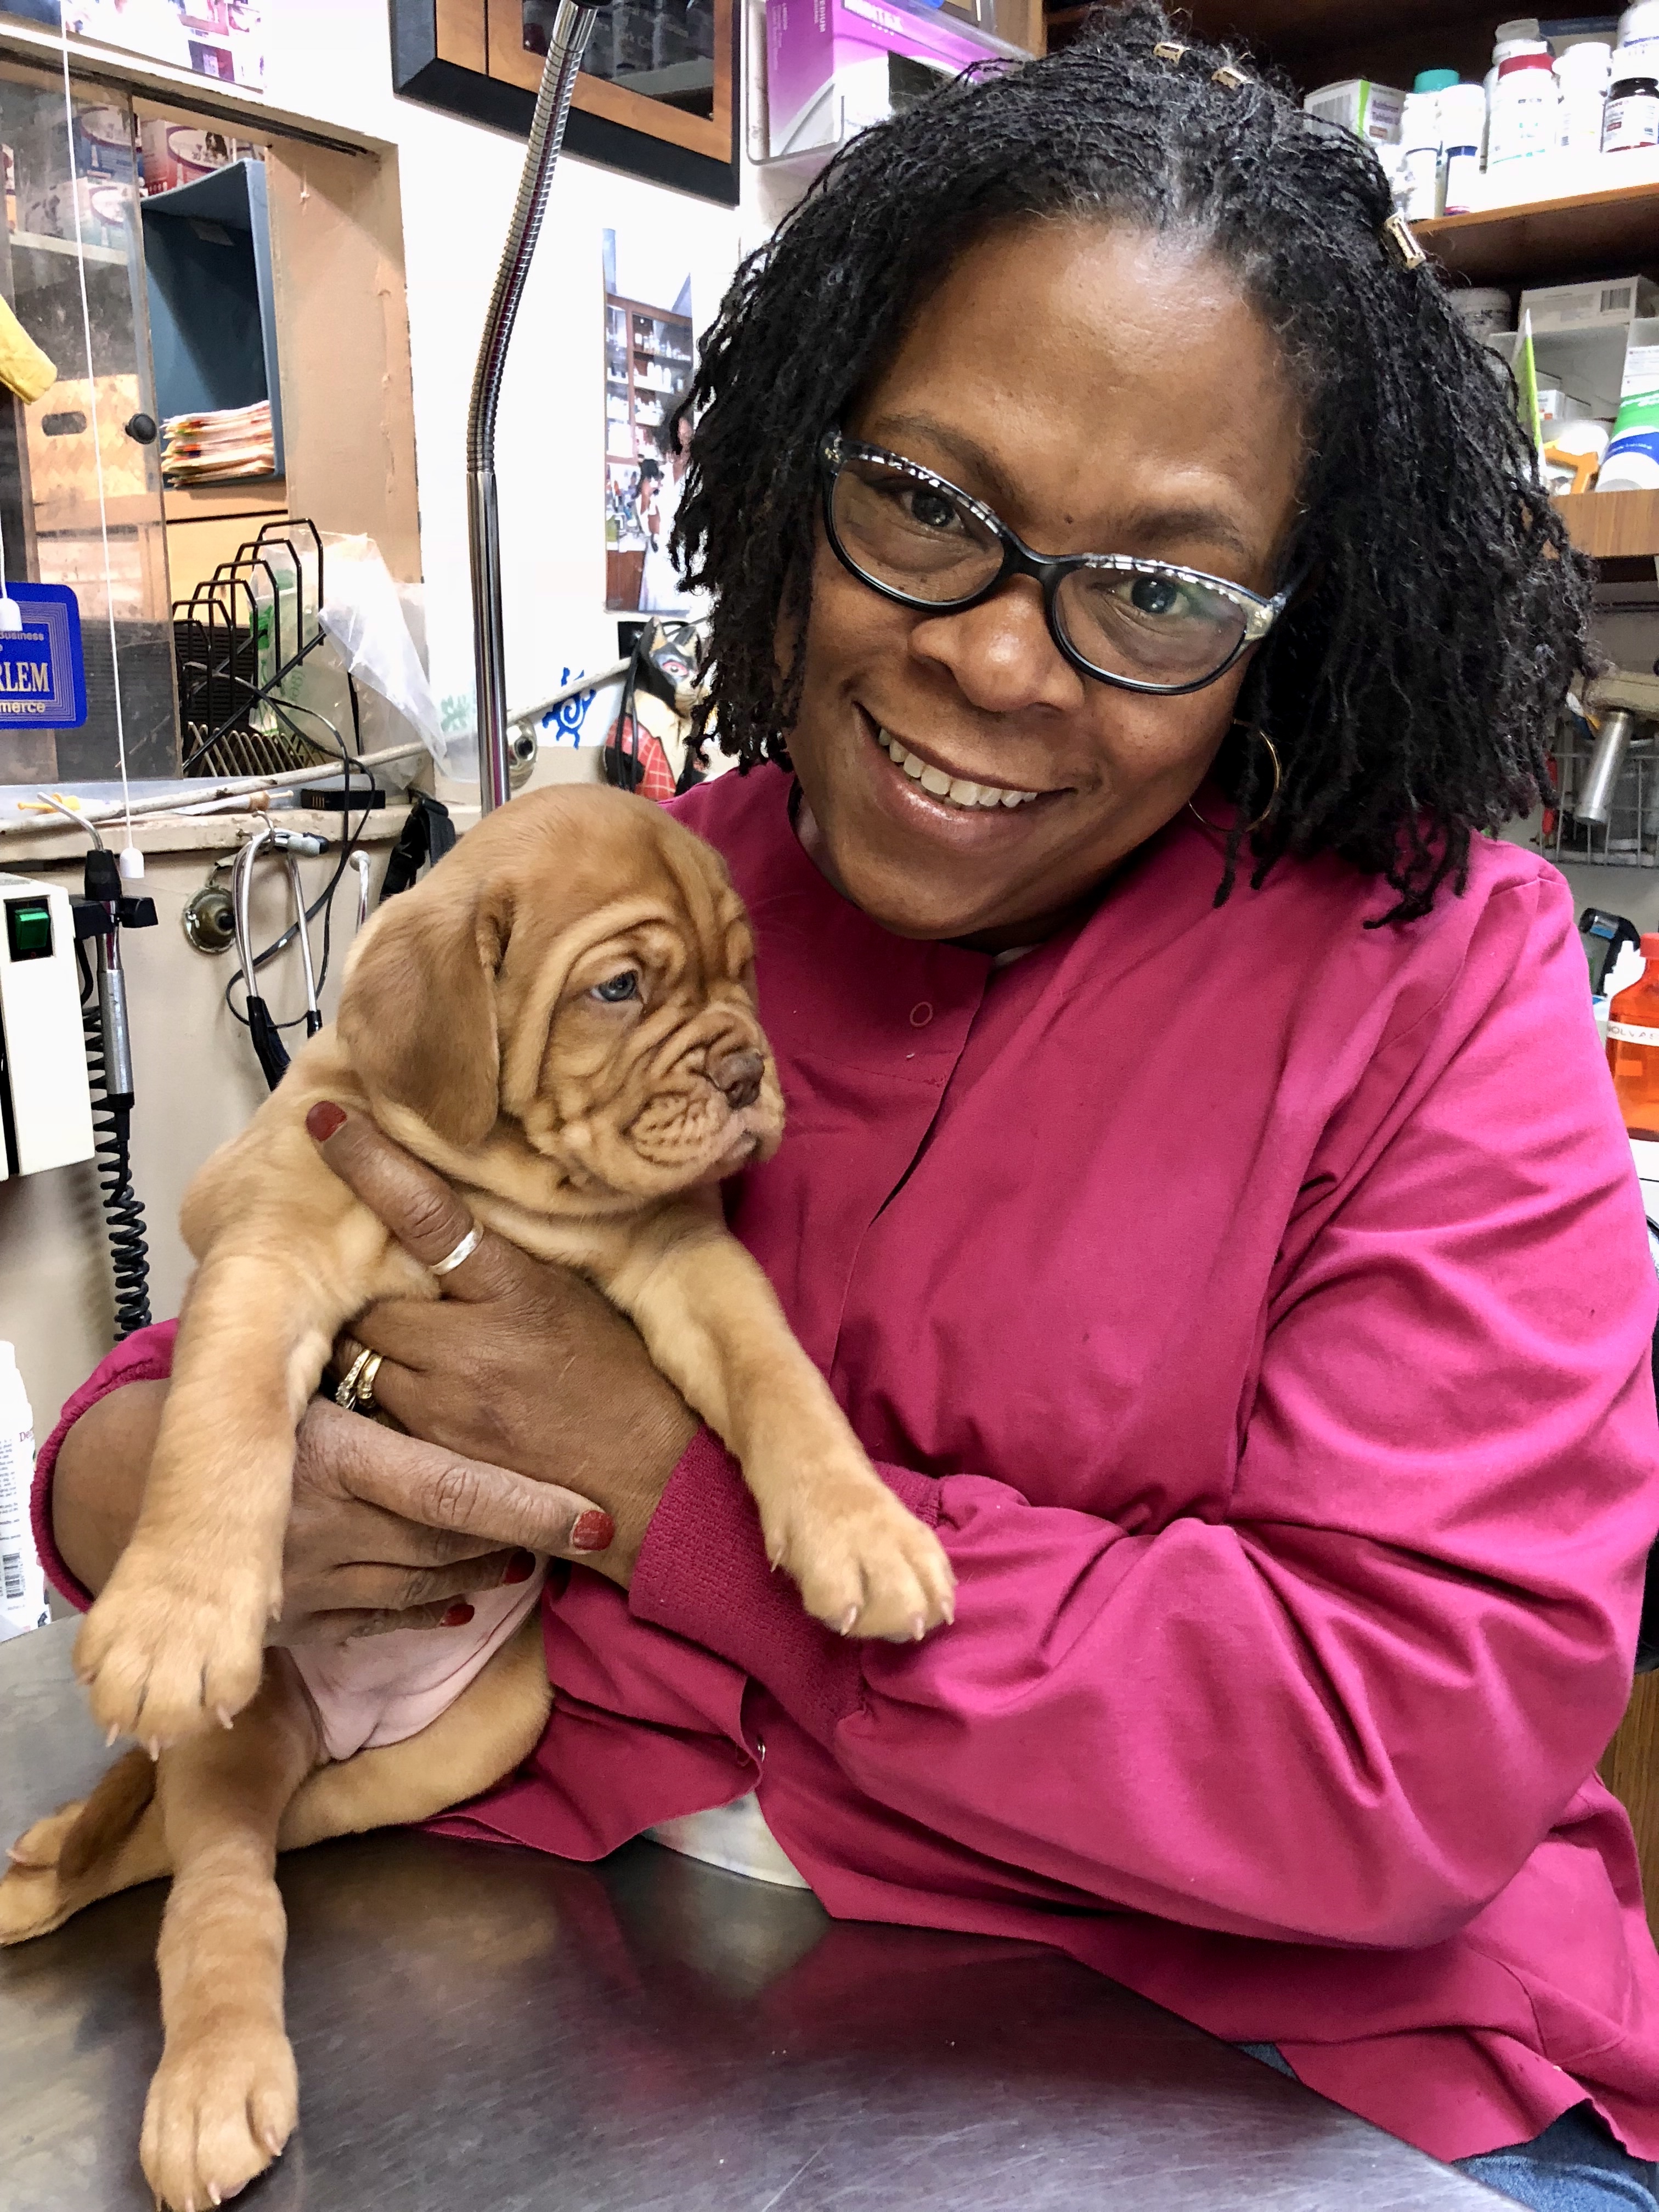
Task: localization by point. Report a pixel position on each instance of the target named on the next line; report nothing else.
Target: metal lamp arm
(566, 43)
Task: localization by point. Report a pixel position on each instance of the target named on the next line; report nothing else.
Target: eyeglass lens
(913, 536)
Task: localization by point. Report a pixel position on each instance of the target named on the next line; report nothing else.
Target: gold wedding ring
(350, 1392)
(468, 1245)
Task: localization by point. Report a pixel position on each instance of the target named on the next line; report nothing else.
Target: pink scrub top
(1258, 1305)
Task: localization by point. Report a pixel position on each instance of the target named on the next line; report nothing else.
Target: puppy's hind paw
(31, 1904)
(38, 1848)
(79, 1854)
(38, 1894)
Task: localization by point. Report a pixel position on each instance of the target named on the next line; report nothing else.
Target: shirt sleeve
(1350, 1711)
(146, 1355)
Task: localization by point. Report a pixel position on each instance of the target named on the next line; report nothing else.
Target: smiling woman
(1053, 341)
(1222, 1237)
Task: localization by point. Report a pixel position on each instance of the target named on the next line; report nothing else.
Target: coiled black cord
(129, 1245)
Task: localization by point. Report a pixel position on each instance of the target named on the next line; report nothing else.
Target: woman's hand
(384, 1532)
(520, 1365)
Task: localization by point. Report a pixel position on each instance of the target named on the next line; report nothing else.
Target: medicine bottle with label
(22, 1584)
(1417, 188)
(1631, 119)
(1584, 73)
(1633, 1048)
(1462, 140)
(1525, 122)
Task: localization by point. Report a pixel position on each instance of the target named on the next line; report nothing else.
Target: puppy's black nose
(738, 1075)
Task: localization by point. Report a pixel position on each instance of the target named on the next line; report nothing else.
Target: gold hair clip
(1167, 50)
(1400, 244)
(1234, 79)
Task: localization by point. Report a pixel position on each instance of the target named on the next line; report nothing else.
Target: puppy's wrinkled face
(577, 975)
(635, 1056)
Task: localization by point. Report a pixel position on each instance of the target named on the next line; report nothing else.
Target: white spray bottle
(22, 1583)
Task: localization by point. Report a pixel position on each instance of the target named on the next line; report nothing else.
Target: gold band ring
(468, 1245)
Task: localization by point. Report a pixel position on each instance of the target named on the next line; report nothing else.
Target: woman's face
(1104, 391)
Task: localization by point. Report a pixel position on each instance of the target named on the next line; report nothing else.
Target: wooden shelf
(1613, 526)
(213, 502)
(1607, 233)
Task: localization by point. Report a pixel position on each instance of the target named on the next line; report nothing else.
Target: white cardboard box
(1608, 300)
(1370, 111)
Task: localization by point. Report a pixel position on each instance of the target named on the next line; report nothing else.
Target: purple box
(833, 67)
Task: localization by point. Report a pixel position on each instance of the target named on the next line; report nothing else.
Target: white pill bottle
(1463, 140)
(22, 1583)
(1525, 121)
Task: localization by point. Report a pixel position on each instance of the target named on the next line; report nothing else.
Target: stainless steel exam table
(481, 2029)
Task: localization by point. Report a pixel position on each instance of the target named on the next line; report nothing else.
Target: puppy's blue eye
(625, 986)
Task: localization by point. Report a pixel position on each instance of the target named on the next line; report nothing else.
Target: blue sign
(43, 669)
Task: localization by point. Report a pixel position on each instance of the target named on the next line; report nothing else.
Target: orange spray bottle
(1633, 1048)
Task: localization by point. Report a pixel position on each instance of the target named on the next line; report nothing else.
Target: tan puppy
(562, 1021)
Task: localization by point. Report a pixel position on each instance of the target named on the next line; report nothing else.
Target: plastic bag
(363, 614)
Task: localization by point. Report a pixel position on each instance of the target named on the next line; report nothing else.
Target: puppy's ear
(417, 1013)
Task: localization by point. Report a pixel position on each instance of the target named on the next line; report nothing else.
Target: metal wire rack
(1629, 838)
(238, 641)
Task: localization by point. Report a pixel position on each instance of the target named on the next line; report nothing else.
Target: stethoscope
(268, 1044)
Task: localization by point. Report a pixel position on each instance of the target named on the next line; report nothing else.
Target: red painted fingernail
(520, 1567)
(324, 1119)
(594, 1532)
(458, 1616)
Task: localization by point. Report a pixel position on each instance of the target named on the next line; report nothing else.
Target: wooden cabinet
(655, 96)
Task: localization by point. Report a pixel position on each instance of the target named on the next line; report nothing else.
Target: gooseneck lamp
(567, 39)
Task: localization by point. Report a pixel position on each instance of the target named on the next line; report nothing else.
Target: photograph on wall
(222, 39)
(647, 377)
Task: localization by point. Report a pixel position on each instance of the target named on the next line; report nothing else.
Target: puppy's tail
(109, 1815)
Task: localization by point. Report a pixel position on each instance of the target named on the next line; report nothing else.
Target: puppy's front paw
(220, 2109)
(866, 1566)
(167, 1651)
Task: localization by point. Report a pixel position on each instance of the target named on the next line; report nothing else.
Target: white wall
(330, 59)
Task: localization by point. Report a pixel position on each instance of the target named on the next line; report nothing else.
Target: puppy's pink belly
(378, 1690)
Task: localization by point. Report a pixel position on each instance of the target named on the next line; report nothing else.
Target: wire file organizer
(239, 640)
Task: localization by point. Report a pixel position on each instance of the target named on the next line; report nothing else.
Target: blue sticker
(43, 670)
(564, 723)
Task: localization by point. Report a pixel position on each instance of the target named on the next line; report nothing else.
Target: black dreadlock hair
(1413, 687)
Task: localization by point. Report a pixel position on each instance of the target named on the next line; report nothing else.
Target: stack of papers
(217, 446)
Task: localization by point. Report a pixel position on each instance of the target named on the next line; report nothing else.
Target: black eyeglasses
(1145, 625)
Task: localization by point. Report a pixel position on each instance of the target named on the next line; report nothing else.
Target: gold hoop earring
(1261, 735)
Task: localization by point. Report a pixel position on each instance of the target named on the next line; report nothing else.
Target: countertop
(483, 2027)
